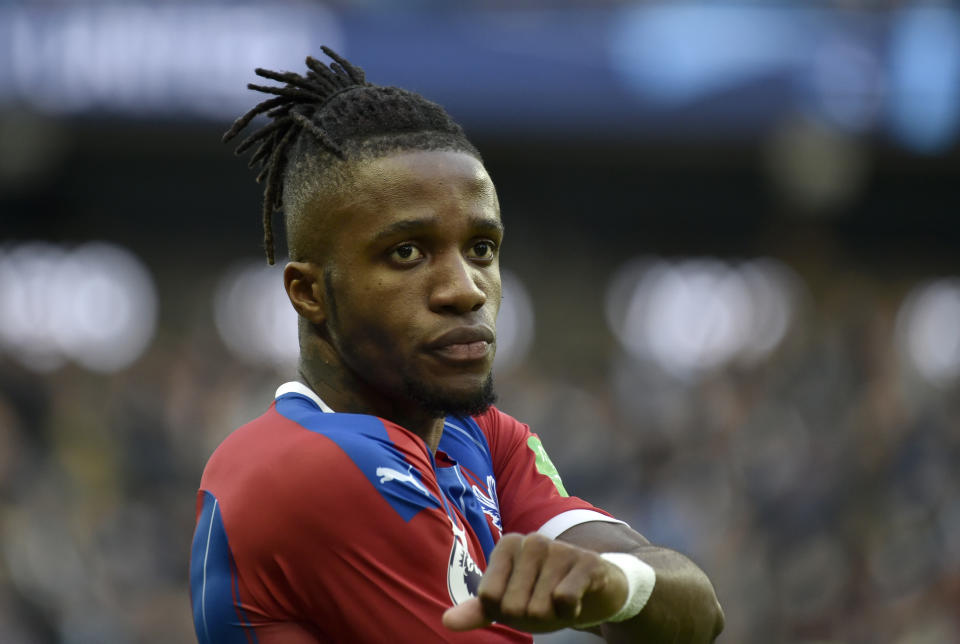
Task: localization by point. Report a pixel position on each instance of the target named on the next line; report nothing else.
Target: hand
(537, 585)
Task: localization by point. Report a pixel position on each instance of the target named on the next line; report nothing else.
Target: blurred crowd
(818, 489)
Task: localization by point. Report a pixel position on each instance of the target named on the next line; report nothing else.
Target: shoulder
(291, 455)
(296, 463)
(503, 432)
(253, 453)
(493, 422)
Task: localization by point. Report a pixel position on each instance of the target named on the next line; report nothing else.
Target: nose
(456, 286)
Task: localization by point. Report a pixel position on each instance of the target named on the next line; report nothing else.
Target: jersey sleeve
(224, 611)
(531, 495)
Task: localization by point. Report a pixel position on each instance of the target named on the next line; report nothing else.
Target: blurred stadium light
(28, 320)
(95, 304)
(847, 82)
(925, 76)
(515, 324)
(253, 315)
(929, 330)
(678, 53)
(695, 315)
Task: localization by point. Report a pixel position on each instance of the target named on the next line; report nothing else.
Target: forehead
(439, 186)
(417, 178)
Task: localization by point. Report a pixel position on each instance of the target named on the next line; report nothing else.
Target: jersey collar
(295, 387)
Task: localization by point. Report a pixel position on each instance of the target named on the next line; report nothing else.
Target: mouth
(464, 352)
(463, 344)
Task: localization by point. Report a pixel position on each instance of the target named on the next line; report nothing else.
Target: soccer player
(381, 497)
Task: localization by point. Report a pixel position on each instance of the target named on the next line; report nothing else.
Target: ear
(303, 282)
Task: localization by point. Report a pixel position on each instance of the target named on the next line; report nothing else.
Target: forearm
(682, 608)
(535, 584)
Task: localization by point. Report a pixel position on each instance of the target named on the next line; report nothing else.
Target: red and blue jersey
(314, 526)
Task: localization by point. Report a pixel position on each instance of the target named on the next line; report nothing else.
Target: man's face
(412, 285)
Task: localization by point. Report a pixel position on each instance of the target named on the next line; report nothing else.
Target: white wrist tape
(641, 579)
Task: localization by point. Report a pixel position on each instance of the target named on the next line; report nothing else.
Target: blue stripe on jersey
(365, 440)
(481, 442)
(464, 441)
(216, 617)
(466, 444)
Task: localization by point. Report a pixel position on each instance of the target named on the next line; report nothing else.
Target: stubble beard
(439, 402)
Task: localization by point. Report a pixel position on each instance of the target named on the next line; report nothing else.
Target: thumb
(465, 616)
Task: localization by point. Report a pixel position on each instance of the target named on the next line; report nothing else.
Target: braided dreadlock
(325, 118)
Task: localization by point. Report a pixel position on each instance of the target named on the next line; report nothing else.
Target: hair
(322, 121)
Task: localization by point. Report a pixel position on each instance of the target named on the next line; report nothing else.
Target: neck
(345, 393)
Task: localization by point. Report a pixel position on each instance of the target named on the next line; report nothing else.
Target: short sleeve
(531, 494)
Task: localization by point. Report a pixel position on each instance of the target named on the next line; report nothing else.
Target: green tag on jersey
(544, 465)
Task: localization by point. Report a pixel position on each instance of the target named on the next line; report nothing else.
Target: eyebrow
(414, 225)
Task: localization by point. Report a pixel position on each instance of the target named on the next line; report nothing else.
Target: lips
(463, 343)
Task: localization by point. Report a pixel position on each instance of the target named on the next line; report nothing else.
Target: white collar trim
(295, 387)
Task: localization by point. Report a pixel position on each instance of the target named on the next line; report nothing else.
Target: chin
(443, 400)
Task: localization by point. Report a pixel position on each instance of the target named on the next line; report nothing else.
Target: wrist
(641, 579)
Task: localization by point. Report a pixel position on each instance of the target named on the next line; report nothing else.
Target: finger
(526, 569)
(560, 560)
(495, 577)
(581, 579)
(465, 616)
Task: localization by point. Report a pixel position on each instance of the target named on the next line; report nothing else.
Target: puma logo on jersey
(388, 474)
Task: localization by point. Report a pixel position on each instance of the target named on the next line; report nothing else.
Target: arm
(683, 606)
(537, 585)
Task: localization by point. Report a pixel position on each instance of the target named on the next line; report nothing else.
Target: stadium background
(732, 307)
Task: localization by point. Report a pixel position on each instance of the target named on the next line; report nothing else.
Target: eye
(483, 249)
(405, 253)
